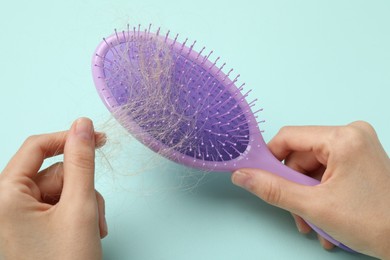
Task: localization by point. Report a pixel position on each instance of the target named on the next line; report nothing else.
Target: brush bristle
(175, 95)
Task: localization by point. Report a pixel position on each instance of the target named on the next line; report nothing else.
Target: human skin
(352, 202)
(55, 213)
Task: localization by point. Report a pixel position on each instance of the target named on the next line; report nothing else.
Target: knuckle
(31, 140)
(350, 136)
(271, 193)
(364, 126)
(280, 137)
(284, 130)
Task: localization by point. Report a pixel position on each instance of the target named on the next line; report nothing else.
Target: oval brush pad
(181, 105)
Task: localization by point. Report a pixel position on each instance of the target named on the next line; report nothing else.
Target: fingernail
(84, 128)
(300, 230)
(296, 220)
(242, 179)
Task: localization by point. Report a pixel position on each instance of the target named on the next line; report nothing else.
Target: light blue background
(308, 62)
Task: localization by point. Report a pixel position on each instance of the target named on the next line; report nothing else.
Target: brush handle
(265, 160)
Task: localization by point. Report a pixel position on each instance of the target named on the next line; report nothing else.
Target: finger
(100, 139)
(275, 190)
(301, 224)
(302, 139)
(303, 162)
(36, 149)
(325, 243)
(306, 163)
(102, 215)
(50, 182)
(79, 161)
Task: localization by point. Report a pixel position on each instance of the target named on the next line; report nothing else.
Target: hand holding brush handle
(182, 105)
(352, 202)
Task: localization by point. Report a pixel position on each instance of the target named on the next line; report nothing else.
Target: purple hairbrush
(181, 105)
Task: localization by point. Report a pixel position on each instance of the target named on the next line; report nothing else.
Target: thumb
(79, 161)
(274, 190)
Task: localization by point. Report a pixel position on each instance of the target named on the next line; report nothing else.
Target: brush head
(173, 99)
